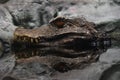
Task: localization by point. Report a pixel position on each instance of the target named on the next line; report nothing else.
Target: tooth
(36, 40)
(24, 38)
(16, 57)
(31, 40)
(39, 38)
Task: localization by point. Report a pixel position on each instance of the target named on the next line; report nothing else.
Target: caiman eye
(58, 22)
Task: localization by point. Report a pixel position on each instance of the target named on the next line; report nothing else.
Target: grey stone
(30, 13)
(31, 70)
(6, 65)
(3, 1)
(112, 73)
(96, 11)
(117, 1)
(33, 13)
(111, 56)
(6, 26)
(92, 72)
(8, 78)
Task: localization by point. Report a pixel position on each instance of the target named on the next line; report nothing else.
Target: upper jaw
(66, 40)
(61, 38)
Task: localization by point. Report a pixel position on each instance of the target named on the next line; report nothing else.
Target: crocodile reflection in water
(62, 42)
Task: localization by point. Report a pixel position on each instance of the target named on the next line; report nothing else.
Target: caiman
(64, 43)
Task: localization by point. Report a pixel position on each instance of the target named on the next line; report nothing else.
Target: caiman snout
(62, 36)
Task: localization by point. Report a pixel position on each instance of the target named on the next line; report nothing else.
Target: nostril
(94, 44)
(102, 43)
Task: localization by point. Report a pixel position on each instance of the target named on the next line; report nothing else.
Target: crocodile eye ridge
(58, 22)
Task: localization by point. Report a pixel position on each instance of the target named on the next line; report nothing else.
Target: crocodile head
(62, 35)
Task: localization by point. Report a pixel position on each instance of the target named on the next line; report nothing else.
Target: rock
(94, 10)
(6, 26)
(117, 1)
(8, 78)
(111, 56)
(108, 26)
(34, 13)
(6, 30)
(6, 65)
(31, 70)
(7, 62)
(92, 72)
(3, 1)
(30, 13)
(112, 73)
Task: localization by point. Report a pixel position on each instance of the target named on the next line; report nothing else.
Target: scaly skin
(72, 40)
(59, 26)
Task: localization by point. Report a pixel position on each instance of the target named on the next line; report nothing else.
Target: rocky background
(34, 13)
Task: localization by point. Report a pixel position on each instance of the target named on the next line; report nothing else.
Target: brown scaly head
(63, 44)
(59, 28)
(63, 35)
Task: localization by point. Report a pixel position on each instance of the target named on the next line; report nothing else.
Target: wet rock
(111, 56)
(112, 29)
(117, 1)
(6, 30)
(6, 26)
(6, 33)
(92, 72)
(8, 78)
(95, 10)
(32, 13)
(107, 26)
(6, 65)
(31, 70)
(3, 1)
(112, 73)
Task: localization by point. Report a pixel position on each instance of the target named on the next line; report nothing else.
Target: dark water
(110, 55)
(77, 48)
(112, 73)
